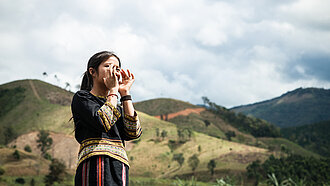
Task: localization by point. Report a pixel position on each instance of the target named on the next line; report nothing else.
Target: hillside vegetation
(295, 108)
(247, 124)
(314, 137)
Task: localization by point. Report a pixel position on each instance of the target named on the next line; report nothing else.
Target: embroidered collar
(98, 96)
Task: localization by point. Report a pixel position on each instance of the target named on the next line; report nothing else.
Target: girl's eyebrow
(108, 63)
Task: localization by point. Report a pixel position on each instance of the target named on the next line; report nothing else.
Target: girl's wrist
(124, 93)
(113, 91)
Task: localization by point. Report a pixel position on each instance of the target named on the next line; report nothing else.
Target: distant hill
(314, 137)
(298, 107)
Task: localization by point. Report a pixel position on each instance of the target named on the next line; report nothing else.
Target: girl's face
(103, 69)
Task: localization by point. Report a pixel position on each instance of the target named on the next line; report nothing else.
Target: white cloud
(234, 52)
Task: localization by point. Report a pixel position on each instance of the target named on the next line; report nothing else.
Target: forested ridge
(295, 108)
(254, 126)
(314, 137)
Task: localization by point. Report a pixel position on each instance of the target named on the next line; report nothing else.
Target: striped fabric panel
(100, 171)
(123, 175)
(85, 173)
(108, 115)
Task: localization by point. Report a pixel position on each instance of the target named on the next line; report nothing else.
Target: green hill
(155, 107)
(298, 107)
(314, 137)
(33, 105)
(205, 121)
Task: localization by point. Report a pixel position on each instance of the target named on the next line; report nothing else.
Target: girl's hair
(94, 62)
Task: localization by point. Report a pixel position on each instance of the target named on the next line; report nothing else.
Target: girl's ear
(91, 71)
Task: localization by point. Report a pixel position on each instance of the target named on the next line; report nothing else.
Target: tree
(163, 134)
(184, 134)
(193, 162)
(179, 158)
(199, 148)
(20, 181)
(56, 173)
(206, 100)
(157, 132)
(230, 134)
(207, 123)
(67, 85)
(254, 171)
(2, 171)
(44, 141)
(57, 79)
(27, 148)
(45, 74)
(211, 165)
(32, 182)
(9, 134)
(16, 155)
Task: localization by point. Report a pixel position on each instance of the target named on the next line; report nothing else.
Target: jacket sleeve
(99, 117)
(132, 127)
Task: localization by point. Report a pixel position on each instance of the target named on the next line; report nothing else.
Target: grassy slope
(34, 114)
(217, 127)
(28, 164)
(156, 107)
(154, 159)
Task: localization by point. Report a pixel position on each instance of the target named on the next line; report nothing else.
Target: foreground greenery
(298, 169)
(134, 181)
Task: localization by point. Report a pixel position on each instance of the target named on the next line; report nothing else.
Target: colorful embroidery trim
(97, 146)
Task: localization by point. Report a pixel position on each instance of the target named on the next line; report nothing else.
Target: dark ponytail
(94, 62)
(87, 82)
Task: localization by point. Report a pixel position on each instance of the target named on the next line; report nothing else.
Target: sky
(233, 52)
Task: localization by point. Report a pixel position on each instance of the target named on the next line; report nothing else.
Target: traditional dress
(102, 129)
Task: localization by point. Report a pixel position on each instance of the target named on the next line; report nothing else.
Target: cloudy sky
(234, 52)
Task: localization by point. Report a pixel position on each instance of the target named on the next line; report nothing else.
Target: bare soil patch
(184, 112)
(64, 147)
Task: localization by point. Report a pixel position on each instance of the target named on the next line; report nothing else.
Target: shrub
(27, 148)
(20, 181)
(16, 155)
(57, 172)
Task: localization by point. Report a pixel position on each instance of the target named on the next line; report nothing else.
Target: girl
(102, 127)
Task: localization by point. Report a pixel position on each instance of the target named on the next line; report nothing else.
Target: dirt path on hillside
(34, 90)
(184, 112)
